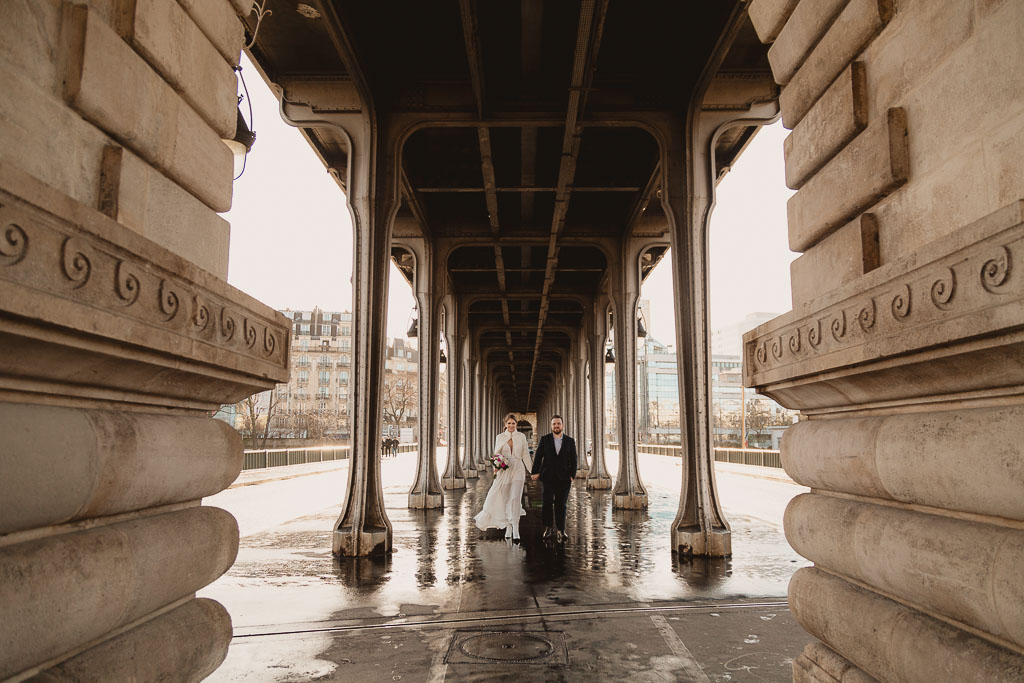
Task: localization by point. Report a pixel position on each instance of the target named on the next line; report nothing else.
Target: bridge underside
(525, 164)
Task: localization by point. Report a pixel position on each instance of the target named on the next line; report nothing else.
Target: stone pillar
(494, 418)
(485, 415)
(453, 477)
(597, 476)
(903, 351)
(426, 489)
(561, 406)
(629, 491)
(570, 390)
(579, 404)
(479, 415)
(700, 527)
(119, 337)
(469, 455)
(363, 527)
(573, 416)
(690, 174)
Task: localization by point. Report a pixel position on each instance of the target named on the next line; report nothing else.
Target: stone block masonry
(893, 642)
(832, 122)
(903, 351)
(114, 574)
(119, 337)
(175, 46)
(867, 169)
(845, 255)
(769, 16)
(103, 78)
(801, 33)
(142, 198)
(851, 32)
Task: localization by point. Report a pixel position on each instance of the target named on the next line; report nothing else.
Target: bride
(504, 504)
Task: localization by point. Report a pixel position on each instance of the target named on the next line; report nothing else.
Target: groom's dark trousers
(556, 470)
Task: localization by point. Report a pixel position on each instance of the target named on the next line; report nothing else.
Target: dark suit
(556, 470)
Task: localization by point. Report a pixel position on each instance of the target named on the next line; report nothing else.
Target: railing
(280, 457)
(743, 456)
(750, 456)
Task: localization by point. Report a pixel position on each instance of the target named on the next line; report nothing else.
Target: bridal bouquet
(499, 463)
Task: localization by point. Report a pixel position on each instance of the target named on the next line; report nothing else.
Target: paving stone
(455, 602)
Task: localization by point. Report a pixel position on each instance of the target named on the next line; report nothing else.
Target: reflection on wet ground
(446, 573)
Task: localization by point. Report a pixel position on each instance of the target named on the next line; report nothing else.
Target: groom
(554, 464)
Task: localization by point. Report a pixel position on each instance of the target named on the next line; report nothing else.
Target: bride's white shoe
(508, 532)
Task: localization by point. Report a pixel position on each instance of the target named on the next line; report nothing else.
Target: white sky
(749, 246)
(291, 233)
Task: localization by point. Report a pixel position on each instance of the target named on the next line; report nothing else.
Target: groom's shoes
(560, 536)
(548, 532)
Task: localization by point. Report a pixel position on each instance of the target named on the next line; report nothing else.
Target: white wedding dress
(504, 503)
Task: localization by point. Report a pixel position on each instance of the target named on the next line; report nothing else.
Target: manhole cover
(508, 647)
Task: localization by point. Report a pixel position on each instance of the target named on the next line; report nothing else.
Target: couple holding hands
(554, 464)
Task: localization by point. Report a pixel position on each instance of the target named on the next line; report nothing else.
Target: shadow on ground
(454, 603)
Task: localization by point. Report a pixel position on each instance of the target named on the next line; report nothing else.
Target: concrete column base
(599, 483)
(629, 501)
(820, 664)
(703, 543)
(371, 541)
(581, 473)
(425, 501)
(451, 483)
(187, 644)
(470, 474)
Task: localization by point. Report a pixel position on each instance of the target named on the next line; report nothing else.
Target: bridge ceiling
(536, 160)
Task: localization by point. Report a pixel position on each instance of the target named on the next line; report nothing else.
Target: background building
(315, 402)
(401, 396)
(657, 393)
(731, 405)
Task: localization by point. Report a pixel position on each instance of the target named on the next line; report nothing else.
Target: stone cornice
(70, 275)
(961, 289)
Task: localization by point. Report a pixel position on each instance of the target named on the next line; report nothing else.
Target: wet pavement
(454, 603)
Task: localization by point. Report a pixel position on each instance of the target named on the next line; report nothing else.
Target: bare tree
(256, 417)
(400, 396)
(758, 417)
